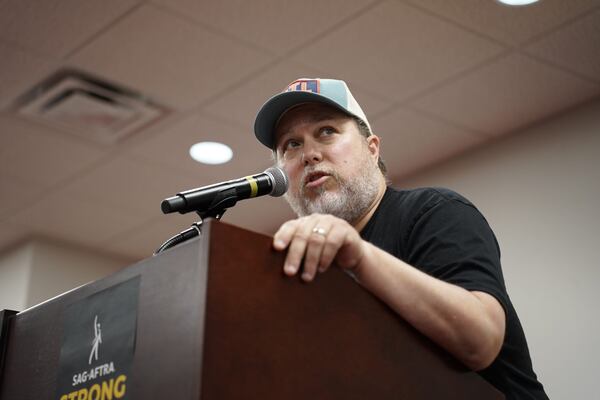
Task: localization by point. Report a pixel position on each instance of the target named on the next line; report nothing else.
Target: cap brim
(273, 109)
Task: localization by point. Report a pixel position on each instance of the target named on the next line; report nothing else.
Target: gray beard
(350, 202)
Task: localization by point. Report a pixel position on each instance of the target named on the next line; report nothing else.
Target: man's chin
(322, 199)
(324, 202)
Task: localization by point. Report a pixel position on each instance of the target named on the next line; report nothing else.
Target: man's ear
(373, 143)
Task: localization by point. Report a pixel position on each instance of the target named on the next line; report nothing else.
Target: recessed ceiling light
(211, 153)
(517, 2)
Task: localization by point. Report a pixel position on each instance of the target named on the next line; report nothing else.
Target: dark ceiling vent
(89, 107)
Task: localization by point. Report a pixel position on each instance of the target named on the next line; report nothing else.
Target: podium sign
(98, 344)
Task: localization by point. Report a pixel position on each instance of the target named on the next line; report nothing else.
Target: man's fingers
(316, 241)
(296, 250)
(284, 235)
(318, 237)
(335, 239)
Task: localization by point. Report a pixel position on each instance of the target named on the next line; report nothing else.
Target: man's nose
(311, 154)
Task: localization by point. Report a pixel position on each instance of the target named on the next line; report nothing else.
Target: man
(428, 253)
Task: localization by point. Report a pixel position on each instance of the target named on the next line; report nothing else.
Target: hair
(364, 131)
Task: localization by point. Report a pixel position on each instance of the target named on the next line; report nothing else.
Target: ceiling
(435, 77)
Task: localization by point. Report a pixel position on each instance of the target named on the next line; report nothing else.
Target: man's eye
(327, 130)
(291, 144)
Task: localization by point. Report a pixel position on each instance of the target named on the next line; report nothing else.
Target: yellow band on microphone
(253, 186)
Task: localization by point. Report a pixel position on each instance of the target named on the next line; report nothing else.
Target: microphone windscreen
(279, 179)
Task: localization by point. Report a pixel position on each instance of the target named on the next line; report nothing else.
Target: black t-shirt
(442, 234)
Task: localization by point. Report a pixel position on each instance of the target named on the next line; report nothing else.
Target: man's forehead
(307, 113)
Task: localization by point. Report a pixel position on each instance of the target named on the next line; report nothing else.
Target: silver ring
(319, 231)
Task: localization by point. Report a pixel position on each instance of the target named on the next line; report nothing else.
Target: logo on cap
(304, 85)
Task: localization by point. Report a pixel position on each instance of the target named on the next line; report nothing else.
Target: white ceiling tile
(220, 55)
(41, 156)
(130, 185)
(144, 240)
(63, 217)
(575, 47)
(264, 214)
(171, 149)
(277, 25)
(168, 58)
(507, 94)
(20, 71)
(388, 50)
(411, 141)
(513, 25)
(242, 103)
(15, 194)
(56, 27)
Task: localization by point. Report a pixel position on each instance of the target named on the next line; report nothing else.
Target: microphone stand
(225, 199)
(192, 232)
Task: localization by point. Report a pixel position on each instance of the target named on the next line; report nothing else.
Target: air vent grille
(87, 106)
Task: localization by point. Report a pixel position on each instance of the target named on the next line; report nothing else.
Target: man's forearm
(469, 325)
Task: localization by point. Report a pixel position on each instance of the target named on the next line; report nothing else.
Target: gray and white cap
(333, 92)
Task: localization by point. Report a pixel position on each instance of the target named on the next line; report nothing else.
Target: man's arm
(469, 325)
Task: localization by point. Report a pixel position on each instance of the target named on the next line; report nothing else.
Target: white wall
(15, 272)
(41, 269)
(540, 191)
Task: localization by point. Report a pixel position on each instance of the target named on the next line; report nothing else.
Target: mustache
(311, 170)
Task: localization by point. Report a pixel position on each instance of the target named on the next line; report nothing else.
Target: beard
(349, 202)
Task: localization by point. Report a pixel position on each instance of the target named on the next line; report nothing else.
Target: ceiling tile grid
(575, 47)
(39, 155)
(20, 70)
(509, 25)
(411, 140)
(130, 185)
(177, 63)
(435, 77)
(171, 148)
(388, 50)
(263, 215)
(242, 103)
(276, 25)
(142, 240)
(16, 194)
(66, 218)
(56, 27)
(507, 94)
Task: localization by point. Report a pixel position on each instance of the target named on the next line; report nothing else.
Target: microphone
(219, 196)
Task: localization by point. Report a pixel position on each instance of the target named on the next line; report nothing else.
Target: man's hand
(319, 240)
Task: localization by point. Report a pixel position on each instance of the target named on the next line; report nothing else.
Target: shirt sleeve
(453, 242)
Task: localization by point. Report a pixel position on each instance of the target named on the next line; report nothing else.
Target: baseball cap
(333, 92)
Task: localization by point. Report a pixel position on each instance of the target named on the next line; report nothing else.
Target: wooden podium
(217, 319)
